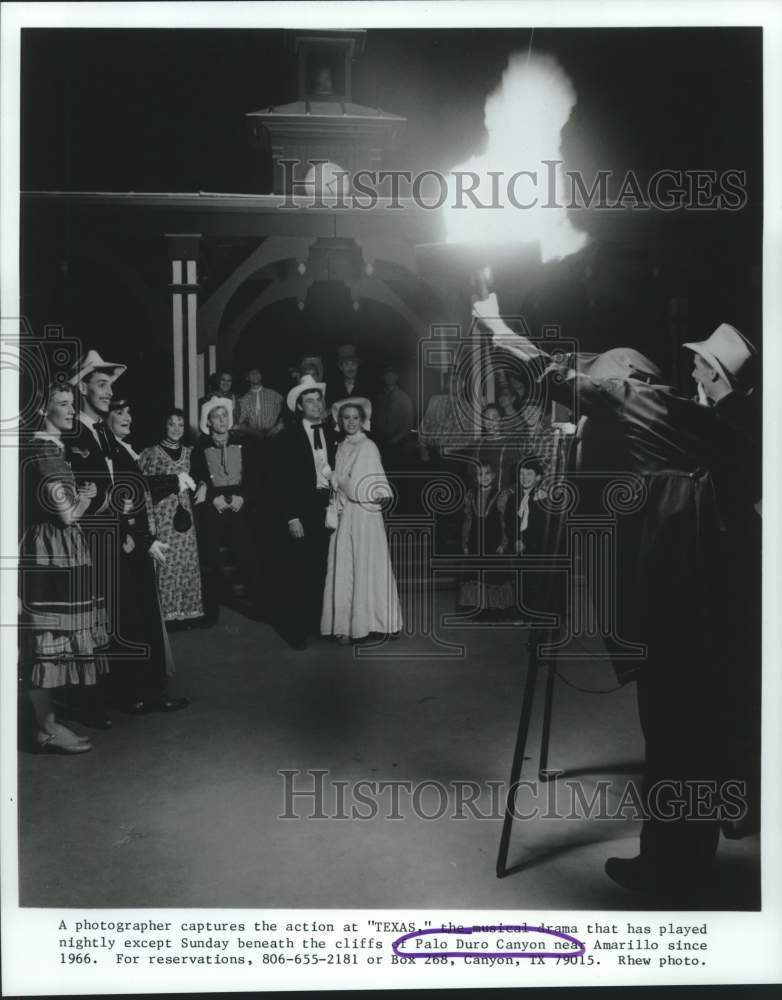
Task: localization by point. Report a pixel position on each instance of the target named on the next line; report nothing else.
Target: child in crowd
(484, 534)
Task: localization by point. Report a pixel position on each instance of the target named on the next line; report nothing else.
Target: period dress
(63, 621)
(179, 577)
(361, 594)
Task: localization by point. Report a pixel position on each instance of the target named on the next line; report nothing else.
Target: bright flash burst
(524, 119)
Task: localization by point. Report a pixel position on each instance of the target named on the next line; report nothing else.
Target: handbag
(332, 512)
(183, 520)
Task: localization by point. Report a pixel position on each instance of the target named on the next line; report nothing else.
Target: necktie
(317, 440)
(103, 440)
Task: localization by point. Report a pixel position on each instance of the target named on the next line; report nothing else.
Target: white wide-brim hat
(93, 362)
(307, 384)
(213, 404)
(726, 350)
(361, 401)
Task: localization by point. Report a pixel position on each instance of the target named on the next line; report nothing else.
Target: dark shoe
(95, 718)
(630, 873)
(661, 882)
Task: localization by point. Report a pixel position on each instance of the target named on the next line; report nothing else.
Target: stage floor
(184, 810)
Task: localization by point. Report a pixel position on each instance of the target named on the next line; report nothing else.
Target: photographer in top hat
(679, 586)
(305, 459)
(725, 370)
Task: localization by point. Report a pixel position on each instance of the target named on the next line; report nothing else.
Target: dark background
(163, 111)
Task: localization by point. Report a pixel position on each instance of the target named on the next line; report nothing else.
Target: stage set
(201, 204)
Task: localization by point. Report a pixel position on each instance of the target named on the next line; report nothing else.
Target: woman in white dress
(361, 595)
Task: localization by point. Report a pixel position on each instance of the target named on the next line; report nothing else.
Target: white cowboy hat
(306, 385)
(92, 362)
(212, 404)
(361, 401)
(726, 350)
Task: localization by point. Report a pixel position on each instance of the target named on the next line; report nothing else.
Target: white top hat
(213, 404)
(92, 362)
(306, 384)
(726, 350)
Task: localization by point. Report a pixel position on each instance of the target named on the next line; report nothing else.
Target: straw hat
(93, 362)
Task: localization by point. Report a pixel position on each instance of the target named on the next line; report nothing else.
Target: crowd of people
(279, 507)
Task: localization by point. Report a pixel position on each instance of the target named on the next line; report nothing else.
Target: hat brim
(114, 370)
(361, 401)
(214, 404)
(297, 390)
(711, 359)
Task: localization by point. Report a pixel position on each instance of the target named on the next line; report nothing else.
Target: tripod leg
(544, 774)
(518, 758)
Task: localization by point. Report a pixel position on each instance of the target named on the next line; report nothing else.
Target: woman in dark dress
(62, 621)
(139, 681)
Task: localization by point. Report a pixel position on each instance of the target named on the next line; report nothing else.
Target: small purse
(182, 521)
(332, 513)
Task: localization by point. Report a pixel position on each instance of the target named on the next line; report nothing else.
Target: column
(183, 252)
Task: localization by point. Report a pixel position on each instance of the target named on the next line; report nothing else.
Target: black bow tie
(317, 440)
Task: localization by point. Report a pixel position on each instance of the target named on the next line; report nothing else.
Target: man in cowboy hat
(673, 575)
(305, 459)
(224, 466)
(95, 456)
(93, 446)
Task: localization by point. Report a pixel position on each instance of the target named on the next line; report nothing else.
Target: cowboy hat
(361, 401)
(726, 350)
(307, 384)
(314, 361)
(93, 362)
(212, 404)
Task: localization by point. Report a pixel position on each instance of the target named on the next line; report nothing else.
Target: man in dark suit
(91, 451)
(350, 382)
(305, 459)
(92, 447)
